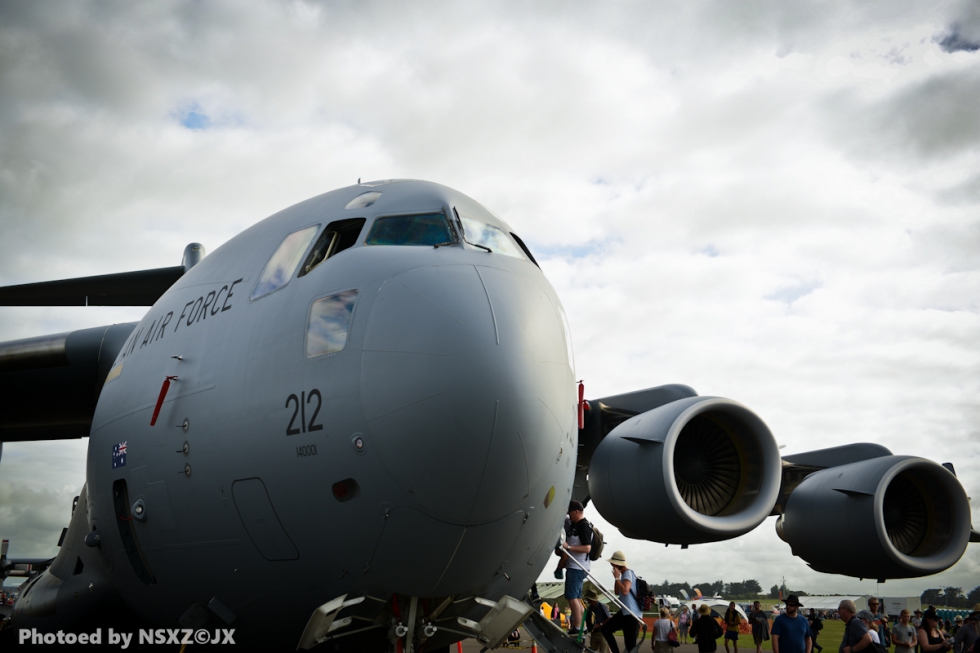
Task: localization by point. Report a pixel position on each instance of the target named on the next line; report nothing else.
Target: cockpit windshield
(420, 229)
(488, 237)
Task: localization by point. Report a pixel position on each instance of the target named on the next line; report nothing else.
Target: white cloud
(771, 203)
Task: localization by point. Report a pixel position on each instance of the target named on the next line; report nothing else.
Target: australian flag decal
(119, 455)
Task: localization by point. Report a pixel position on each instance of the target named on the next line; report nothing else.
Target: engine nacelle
(700, 469)
(888, 517)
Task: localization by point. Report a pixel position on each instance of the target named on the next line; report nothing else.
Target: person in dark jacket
(760, 625)
(706, 630)
(816, 625)
(856, 637)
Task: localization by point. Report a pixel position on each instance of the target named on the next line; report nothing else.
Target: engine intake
(700, 469)
(900, 517)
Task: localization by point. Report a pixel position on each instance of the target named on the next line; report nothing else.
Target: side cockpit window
(421, 229)
(527, 252)
(283, 263)
(488, 237)
(337, 237)
(329, 323)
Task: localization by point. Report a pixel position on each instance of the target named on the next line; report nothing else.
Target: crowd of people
(921, 632)
(791, 631)
(866, 631)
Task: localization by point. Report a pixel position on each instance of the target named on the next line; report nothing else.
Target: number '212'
(299, 409)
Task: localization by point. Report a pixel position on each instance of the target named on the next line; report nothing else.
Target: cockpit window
(329, 323)
(283, 263)
(337, 237)
(489, 237)
(421, 229)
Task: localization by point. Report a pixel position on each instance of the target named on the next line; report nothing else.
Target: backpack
(817, 625)
(717, 630)
(642, 588)
(643, 594)
(596, 551)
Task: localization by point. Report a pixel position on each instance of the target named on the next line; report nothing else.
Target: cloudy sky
(775, 202)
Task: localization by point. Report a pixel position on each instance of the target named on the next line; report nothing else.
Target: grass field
(829, 638)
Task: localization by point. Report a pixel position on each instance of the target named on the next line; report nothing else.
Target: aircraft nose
(467, 388)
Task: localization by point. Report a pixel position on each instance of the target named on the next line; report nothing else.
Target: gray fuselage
(432, 456)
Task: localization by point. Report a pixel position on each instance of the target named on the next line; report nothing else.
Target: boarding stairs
(552, 639)
(343, 617)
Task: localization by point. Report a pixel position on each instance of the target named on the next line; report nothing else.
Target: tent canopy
(720, 606)
(831, 602)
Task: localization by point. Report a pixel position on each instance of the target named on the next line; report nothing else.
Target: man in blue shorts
(791, 631)
(577, 544)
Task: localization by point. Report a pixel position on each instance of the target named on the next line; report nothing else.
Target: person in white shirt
(869, 621)
(661, 632)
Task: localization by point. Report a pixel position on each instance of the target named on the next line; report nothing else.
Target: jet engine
(699, 469)
(888, 517)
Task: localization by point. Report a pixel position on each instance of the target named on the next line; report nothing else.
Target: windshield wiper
(462, 233)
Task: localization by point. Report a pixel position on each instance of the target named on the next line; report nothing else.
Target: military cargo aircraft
(368, 402)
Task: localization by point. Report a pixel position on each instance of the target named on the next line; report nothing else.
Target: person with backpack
(706, 631)
(816, 625)
(627, 620)
(577, 545)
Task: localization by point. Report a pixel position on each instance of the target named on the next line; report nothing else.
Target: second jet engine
(887, 517)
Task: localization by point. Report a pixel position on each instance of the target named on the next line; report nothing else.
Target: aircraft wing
(139, 288)
(667, 465)
(51, 384)
(20, 566)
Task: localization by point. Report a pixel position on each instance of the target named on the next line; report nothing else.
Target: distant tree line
(951, 596)
(746, 589)
(751, 589)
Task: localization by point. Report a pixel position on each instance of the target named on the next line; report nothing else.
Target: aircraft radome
(357, 423)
